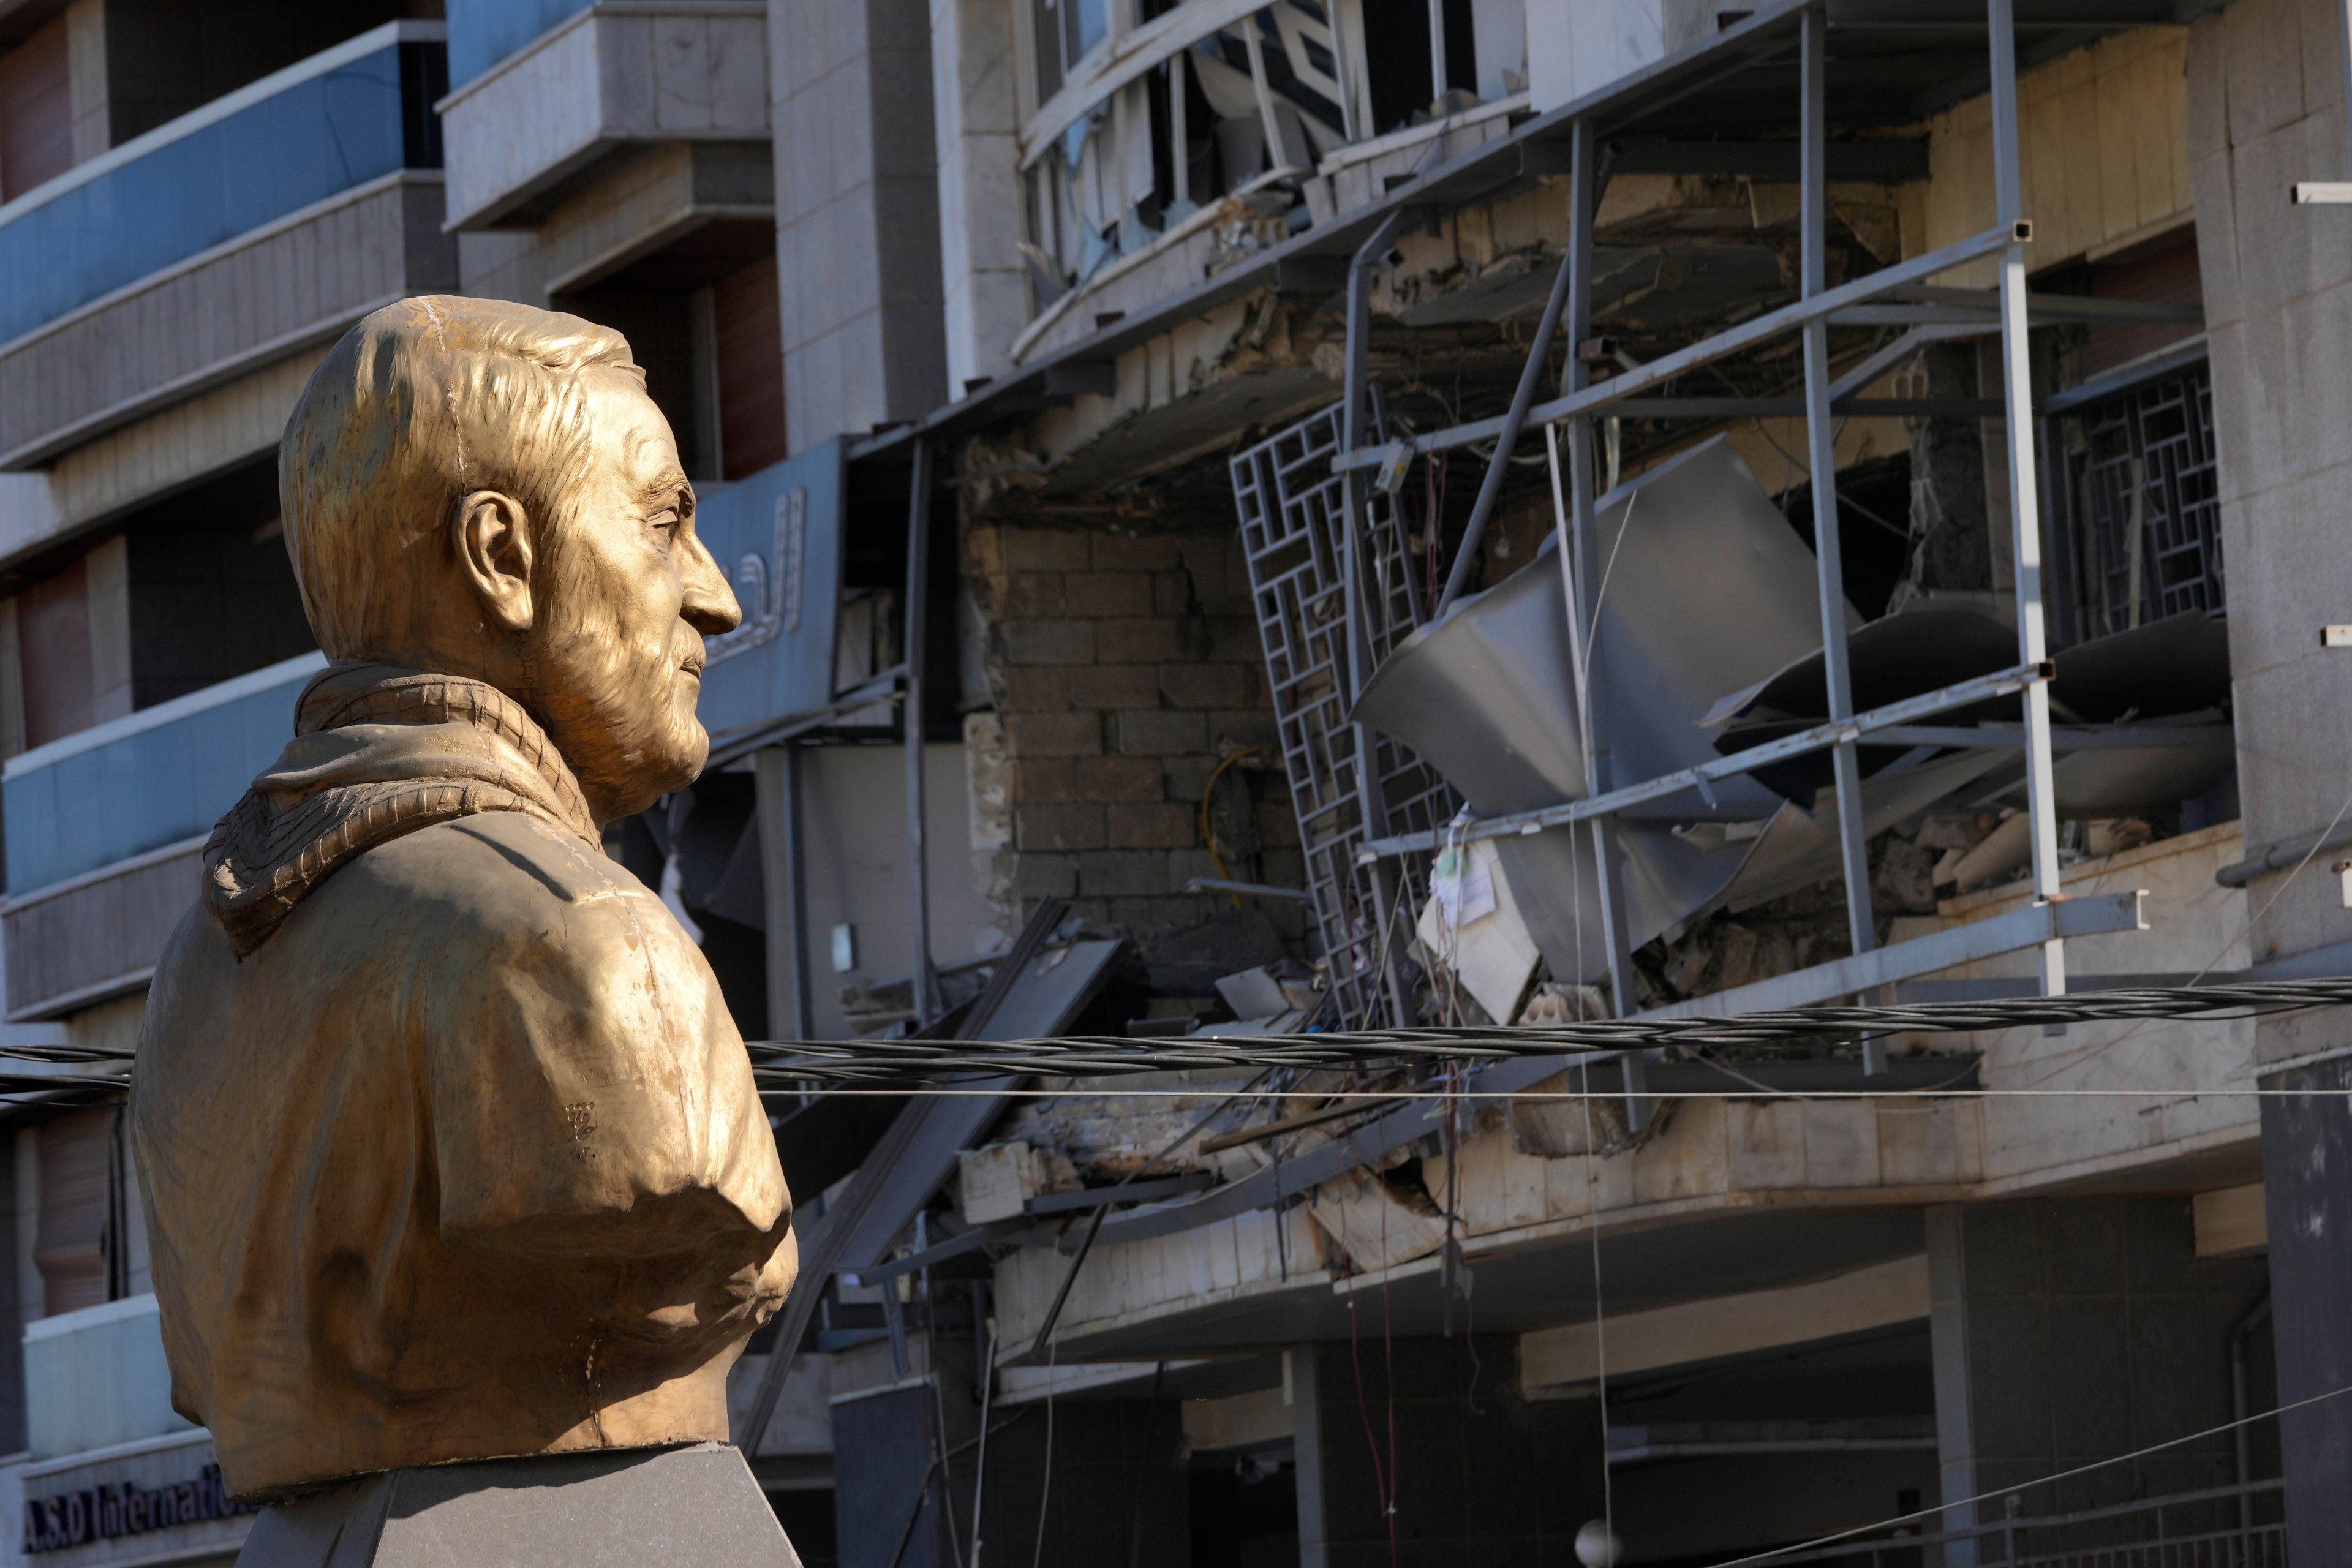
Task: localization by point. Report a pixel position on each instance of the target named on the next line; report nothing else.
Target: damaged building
(1269, 520)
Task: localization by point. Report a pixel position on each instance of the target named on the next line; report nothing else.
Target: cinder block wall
(1126, 669)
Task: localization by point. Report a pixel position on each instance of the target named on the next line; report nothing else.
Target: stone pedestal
(684, 1506)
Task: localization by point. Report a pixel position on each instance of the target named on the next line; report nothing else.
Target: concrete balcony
(622, 74)
(261, 224)
(115, 1475)
(96, 1379)
(105, 830)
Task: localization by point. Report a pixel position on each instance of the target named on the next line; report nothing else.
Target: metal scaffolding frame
(1900, 294)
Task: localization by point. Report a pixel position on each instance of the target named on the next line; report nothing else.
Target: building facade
(1218, 492)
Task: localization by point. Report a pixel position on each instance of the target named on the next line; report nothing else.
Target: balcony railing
(353, 113)
(527, 127)
(1138, 133)
(484, 32)
(97, 1378)
(162, 775)
(2223, 1527)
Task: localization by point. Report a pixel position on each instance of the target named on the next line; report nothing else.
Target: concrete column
(2266, 110)
(108, 579)
(858, 217)
(2069, 1332)
(86, 74)
(2307, 1181)
(1478, 1474)
(980, 270)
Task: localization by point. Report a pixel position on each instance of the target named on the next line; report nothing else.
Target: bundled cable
(1096, 1056)
(913, 1063)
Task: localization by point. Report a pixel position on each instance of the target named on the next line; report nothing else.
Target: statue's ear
(492, 536)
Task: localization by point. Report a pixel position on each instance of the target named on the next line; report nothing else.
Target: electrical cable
(1097, 1092)
(850, 1063)
(894, 1061)
(1599, 1329)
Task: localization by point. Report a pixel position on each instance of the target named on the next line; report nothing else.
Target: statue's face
(618, 655)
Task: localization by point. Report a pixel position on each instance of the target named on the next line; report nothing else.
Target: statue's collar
(379, 750)
(361, 692)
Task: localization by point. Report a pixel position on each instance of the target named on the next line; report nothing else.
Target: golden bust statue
(449, 1148)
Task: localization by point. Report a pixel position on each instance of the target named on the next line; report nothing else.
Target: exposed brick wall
(1126, 669)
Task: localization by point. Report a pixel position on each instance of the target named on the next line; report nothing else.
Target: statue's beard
(622, 712)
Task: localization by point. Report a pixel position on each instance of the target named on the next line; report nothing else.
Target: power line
(1097, 1056)
(914, 1064)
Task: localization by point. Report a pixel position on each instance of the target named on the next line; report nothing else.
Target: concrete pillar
(2266, 110)
(86, 74)
(982, 273)
(2067, 1332)
(858, 217)
(2307, 1181)
(1479, 1473)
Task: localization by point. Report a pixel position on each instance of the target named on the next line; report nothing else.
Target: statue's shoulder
(491, 865)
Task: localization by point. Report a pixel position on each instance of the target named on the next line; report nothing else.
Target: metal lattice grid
(2148, 534)
(1293, 521)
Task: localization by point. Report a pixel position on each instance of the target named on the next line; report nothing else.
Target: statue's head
(481, 488)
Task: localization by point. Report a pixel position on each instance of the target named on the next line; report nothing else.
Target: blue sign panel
(777, 535)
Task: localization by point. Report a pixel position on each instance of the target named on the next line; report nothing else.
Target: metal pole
(1180, 139)
(1539, 355)
(2024, 489)
(1343, 71)
(918, 875)
(1277, 155)
(1582, 547)
(1820, 448)
(1438, 82)
(1372, 806)
(785, 875)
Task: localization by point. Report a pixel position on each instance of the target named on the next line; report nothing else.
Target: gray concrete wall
(2265, 110)
(2068, 1332)
(857, 219)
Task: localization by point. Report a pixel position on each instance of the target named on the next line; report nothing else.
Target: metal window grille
(1294, 533)
(2148, 530)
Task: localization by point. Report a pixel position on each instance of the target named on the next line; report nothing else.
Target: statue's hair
(422, 403)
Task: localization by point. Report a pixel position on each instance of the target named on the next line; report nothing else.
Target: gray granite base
(606, 1509)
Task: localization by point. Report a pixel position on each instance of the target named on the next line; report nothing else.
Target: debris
(1709, 591)
(2005, 850)
(1272, 999)
(1471, 927)
(1550, 1127)
(1551, 1003)
(1187, 963)
(1904, 883)
(994, 1181)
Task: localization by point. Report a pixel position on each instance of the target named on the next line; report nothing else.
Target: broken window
(2141, 497)
(1136, 124)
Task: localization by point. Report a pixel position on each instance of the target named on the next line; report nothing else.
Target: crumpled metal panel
(1707, 590)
